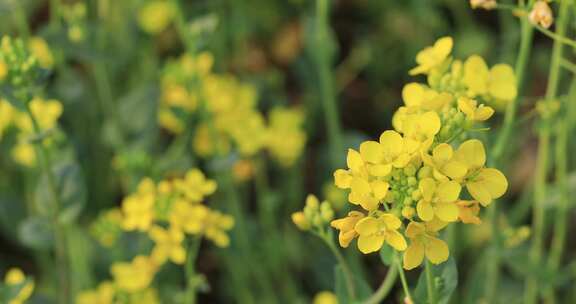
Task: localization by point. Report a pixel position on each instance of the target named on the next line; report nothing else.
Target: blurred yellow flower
(24, 154)
(374, 231)
(432, 56)
(138, 208)
(41, 51)
(195, 186)
(134, 276)
(104, 294)
(156, 15)
(168, 245)
(300, 220)
(15, 277)
(325, 297)
(286, 137)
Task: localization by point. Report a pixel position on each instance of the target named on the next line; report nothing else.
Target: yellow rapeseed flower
(541, 14)
(40, 49)
(374, 231)
(438, 199)
(156, 15)
(195, 186)
(134, 276)
(138, 208)
(15, 276)
(497, 83)
(104, 294)
(473, 111)
(432, 56)
(325, 297)
(424, 243)
(346, 226)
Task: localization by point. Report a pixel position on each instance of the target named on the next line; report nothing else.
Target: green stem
(327, 237)
(540, 185)
(192, 255)
(493, 268)
(430, 285)
(386, 286)
(59, 231)
(322, 58)
(54, 15)
(21, 19)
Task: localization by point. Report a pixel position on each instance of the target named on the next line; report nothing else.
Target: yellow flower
(216, 226)
(15, 276)
(541, 14)
(392, 151)
(169, 121)
(438, 199)
(176, 95)
(473, 111)
(104, 294)
(188, 217)
(325, 297)
(24, 154)
(146, 296)
(138, 208)
(499, 82)
(205, 143)
(299, 219)
(484, 184)
(155, 16)
(243, 170)
(134, 276)
(7, 114)
(374, 231)
(195, 186)
(421, 128)
(346, 226)
(444, 164)
(3, 70)
(286, 137)
(168, 245)
(432, 56)
(469, 212)
(421, 97)
(424, 243)
(40, 49)
(46, 113)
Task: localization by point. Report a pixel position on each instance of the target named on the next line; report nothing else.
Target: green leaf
(387, 255)
(70, 188)
(445, 281)
(36, 232)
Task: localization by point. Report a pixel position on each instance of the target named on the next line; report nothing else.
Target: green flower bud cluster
(453, 123)
(315, 214)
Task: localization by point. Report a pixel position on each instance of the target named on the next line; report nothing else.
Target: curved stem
(430, 286)
(345, 268)
(403, 280)
(384, 288)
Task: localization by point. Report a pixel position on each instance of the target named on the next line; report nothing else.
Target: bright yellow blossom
(134, 276)
(156, 15)
(138, 208)
(216, 226)
(374, 231)
(432, 56)
(24, 154)
(286, 137)
(195, 186)
(497, 83)
(438, 199)
(469, 212)
(484, 184)
(473, 111)
(424, 243)
(391, 151)
(41, 51)
(299, 219)
(346, 226)
(444, 164)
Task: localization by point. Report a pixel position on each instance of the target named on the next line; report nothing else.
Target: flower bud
(300, 221)
(485, 4)
(408, 212)
(541, 14)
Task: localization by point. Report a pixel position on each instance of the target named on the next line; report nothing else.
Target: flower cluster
(234, 120)
(418, 172)
(166, 211)
(21, 64)
(45, 112)
(23, 286)
(315, 215)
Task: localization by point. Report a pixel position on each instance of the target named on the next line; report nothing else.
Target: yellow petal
(447, 212)
(502, 82)
(436, 251)
(448, 191)
(412, 94)
(345, 238)
(427, 187)
(369, 203)
(415, 229)
(396, 240)
(360, 186)
(367, 226)
(484, 113)
(476, 75)
(391, 221)
(467, 106)
(414, 255)
(425, 210)
(342, 179)
(392, 143)
(435, 225)
(430, 123)
(370, 243)
(380, 189)
(494, 181)
(471, 153)
(442, 153)
(379, 170)
(354, 160)
(479, 193)
(371, 152)
(454, 169)
(178, 255)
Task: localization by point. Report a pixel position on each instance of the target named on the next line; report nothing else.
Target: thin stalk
(54, 15)
(190, 269)
(430, 285)
(59, 231)
(493, 270)
(327, 237)
(386, 286)
(326, 81)
(21, 20)
(405, 286)
(540, 185)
